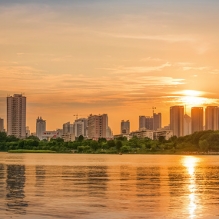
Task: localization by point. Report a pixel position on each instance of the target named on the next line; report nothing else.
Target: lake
(108, 186)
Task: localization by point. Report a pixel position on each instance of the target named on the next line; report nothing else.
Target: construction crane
(153, 108)
(76, 115)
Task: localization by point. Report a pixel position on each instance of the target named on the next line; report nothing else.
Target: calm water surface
(108, 186)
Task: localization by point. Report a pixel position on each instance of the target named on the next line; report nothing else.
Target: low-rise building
(142, 134)
(68, 137)
(167, 134)
(47, 135)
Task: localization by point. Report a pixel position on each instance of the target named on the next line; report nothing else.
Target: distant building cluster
(96, 126)
(149, 127)
(181, 124)
(150, 123)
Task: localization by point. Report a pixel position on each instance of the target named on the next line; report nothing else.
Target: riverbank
(167, 152)
(30, 151)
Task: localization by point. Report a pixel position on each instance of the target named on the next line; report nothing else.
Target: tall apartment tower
(197, 119)
(150, 123)
(211, 118)
(156, 121)
(1, 125)
(141, 122)
(125, 127)
(16, 115)
(187, 125)
(97, 126)
(40, 127)
(66, 127)
(146, 122)
(177, 120)
(81, 127)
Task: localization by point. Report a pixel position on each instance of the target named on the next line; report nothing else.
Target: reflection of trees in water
(179, 182)
(85, 181)
(126, 187)
(74, 174)
(73, 179)
(85, 178)
(210, 183)
(15, 189)
(125, 176)
(97, 180)
(148, 181)
(2, 183)
(40, 180)
(178, 177)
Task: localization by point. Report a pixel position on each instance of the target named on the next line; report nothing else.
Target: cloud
(166, 38)
(137, 69)
(65, 88)
(188, 68)
(150, 59)
(214, 72)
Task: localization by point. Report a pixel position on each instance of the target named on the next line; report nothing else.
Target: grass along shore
(30, 151)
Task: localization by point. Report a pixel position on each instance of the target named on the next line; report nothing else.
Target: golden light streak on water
(190, 163)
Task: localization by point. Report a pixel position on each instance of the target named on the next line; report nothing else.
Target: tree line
(203, 141)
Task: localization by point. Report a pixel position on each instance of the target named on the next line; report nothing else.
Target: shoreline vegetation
(198, 143)
(119, 153)
(30, 151)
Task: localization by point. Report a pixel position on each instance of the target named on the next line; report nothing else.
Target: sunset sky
(119, 57)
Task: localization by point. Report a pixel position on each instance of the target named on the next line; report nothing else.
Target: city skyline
(144, 122)
(119, 57)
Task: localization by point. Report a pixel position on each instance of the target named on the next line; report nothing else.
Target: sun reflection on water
(190, 163)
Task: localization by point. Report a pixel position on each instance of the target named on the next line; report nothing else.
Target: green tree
(125, 149)
(3, 136)
(204, 146)
(12, 138)
(80, 138)
(111, 143)
(94, 145)
(33, 138)
(118, 145)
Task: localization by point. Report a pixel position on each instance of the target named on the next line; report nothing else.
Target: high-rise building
(59, 133)
(125, 127)
(66, 128)
(27, 131)
(177, 120)
(141, 122)
(150, 123)
(109, 133)
(80, 126)
(197, 119)
(187, 125)
(211, 118)
(97, 126)
(16, 115)
(146, 122)
(156, 121)
(40, 127)
(1, 125)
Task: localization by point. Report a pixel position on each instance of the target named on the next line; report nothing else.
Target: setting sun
(192, 93)
(193, 98)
